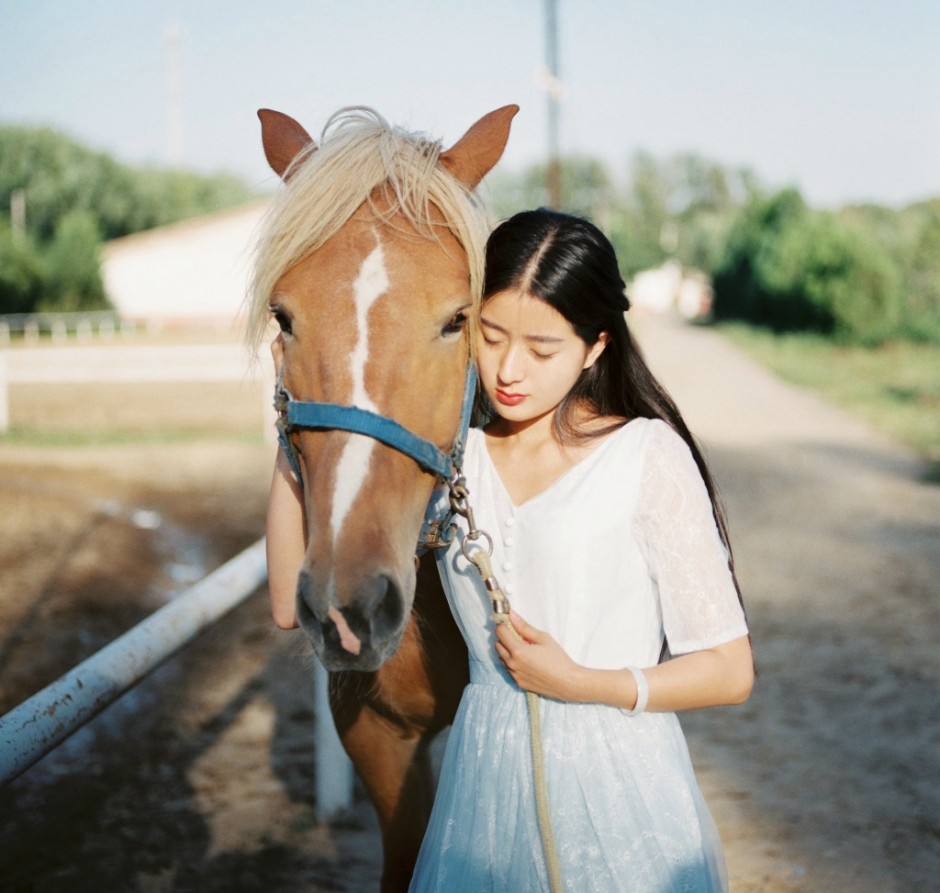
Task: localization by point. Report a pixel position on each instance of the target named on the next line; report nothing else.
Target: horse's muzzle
(356, 633)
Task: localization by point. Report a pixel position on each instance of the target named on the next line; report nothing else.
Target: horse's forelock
(359, 152)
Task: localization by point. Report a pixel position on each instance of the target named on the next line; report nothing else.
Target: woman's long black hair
(568, 263)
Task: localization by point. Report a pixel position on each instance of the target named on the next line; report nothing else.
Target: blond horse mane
(358, 153)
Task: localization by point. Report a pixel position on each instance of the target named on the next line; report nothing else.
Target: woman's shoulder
(651, 444)
(648, 432)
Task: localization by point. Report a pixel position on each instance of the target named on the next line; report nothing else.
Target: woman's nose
(510, 367)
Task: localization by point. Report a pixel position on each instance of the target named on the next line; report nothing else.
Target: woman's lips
(508, 399)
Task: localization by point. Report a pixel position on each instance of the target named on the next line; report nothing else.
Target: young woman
(609, 543)
(607, 540)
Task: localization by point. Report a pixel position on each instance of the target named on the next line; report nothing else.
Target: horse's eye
(282, 319)
(456, 324)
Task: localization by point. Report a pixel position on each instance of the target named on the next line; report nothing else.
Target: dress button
(507, 590)
(510, 521)
(509, 541)
(507, 566)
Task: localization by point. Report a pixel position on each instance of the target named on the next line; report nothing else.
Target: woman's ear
(596, 350)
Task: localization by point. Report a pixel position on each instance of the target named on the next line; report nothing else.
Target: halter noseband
(293, 415)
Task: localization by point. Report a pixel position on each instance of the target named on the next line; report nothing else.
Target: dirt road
(829, 778)
(826, 781)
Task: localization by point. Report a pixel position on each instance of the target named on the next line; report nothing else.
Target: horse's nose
(367, 624)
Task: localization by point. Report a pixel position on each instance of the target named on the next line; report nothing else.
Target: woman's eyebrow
(539, 339)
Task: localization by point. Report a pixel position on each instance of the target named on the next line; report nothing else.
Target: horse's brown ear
(283, 139)
(475, 154)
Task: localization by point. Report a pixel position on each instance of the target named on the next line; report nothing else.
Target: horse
(371, 262)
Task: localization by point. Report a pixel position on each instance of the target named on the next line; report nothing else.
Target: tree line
(860, 274)
(59, 200)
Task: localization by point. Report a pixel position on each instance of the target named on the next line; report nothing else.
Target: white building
(192, 272)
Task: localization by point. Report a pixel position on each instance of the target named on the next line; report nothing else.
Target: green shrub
(73, 279)
(21, 272)
(790, 268)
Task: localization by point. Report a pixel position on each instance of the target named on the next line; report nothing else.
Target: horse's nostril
(389, 610)
(378, 612)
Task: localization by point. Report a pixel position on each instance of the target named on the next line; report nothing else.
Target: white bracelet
(642, 692)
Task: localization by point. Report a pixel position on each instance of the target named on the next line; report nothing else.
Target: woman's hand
(536, 661)
(712, 677)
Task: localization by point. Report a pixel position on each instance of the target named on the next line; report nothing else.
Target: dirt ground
(202, 778)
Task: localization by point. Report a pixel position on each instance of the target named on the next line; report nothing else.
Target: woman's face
(529, 356)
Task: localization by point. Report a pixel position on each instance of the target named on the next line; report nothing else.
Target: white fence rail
(60, 325)
(42, 722)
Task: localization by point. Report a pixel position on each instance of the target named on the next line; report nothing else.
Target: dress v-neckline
(581, 463)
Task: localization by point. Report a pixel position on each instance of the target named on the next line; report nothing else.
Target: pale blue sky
(841, 98)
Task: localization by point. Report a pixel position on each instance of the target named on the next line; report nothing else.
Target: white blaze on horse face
(371, 283)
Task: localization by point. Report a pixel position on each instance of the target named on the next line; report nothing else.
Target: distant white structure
(196, 271)
(669, 287)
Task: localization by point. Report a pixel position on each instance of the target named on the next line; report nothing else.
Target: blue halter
(292, 415)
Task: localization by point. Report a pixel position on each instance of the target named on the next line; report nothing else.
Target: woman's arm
(286, 542)
(712, 677)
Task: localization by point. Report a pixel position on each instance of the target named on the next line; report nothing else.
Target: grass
(895, 387)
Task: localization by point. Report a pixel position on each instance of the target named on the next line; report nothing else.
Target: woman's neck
(530, 433)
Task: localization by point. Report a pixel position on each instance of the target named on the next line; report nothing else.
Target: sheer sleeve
(676, 531)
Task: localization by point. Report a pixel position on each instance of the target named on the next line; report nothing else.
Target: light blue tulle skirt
(626, 809)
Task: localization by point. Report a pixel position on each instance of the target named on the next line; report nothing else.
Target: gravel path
(829, 778)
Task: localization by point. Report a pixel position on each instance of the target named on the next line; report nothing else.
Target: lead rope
(480, 558)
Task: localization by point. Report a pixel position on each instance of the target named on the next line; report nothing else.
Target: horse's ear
(283, 139)
(475, 154)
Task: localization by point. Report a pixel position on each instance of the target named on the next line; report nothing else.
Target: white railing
(42, 722)
(83, 325)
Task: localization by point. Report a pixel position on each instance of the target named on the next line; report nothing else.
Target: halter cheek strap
(296, 415)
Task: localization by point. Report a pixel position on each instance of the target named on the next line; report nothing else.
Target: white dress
(619, 552)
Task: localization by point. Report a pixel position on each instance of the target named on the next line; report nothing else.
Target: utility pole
(553, 89)
(174, 82)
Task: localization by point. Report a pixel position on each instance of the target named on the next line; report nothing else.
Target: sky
(839, 98)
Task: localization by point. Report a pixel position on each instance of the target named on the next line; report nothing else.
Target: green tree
(587, 189)
(21, 271)
(753, 280)
(789, 267)
(921, 292)
(641, 232)
(73, 273)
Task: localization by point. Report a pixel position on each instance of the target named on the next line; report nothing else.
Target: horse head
(370, 262)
